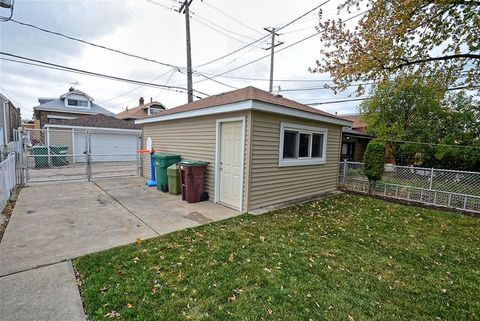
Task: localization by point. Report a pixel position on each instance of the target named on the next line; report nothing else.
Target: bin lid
(165, 155)
(192, 163)
(173, 167)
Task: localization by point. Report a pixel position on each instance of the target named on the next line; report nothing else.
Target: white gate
(78, 154)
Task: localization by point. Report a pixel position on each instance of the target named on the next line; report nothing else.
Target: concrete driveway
(55, 222)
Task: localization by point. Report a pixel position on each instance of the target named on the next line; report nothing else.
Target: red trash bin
(192, 174)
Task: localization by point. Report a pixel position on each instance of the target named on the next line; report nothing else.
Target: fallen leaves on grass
(112, 315)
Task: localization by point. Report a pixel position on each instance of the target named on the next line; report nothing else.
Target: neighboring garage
(89, 147)
(111, 139)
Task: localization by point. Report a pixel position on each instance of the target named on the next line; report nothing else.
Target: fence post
(139, 160)
(344, 172)
(431, 178)
(87, 154)
(48, 147)
(20, 149)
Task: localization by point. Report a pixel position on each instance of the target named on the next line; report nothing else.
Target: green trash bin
(162, 161)
(41, 156)
(58, 154)
(173, 173)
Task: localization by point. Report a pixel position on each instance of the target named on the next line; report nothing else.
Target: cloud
(149, 30)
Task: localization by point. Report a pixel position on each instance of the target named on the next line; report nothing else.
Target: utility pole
(272, 54)
(186, 11)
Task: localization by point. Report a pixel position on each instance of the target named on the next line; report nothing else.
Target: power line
(366, 98)
(337, 101)
(205, 23)
(45, 64)
(161, 5)
(303, 15)
(136, 88)
(262, 38)
(229, 16)
(421, 143)
(265, 56)
(94, 44)
(197, 16)
(8, 6)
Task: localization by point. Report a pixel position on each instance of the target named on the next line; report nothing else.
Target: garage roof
(244, 94)
(96, 121)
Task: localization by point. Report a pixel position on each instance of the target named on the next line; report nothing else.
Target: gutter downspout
(5, 105)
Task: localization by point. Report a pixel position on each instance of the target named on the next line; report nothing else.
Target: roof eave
(246, 105)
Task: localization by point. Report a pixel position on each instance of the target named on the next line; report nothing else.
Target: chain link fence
(439, 187)
(78, 154)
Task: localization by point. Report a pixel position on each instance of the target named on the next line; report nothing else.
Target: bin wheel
(204, 197)
(164, 188)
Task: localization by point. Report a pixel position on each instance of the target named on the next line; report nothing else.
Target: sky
(155, 31)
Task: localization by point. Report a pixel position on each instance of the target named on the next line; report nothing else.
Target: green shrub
(374, 162)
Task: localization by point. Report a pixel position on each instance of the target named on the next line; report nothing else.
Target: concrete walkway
(55, 222)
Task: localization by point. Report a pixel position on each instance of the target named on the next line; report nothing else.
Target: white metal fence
(439, 187)
(7, 179)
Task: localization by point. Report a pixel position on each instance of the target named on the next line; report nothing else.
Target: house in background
(262, 150)
(70, 105)
(354, 139)
(111, 139)
(142, 110)
(10, 119)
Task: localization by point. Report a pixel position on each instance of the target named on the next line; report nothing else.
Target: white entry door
(231, 163)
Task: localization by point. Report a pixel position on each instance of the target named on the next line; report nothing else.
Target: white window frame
(300, 161)
(89, 105)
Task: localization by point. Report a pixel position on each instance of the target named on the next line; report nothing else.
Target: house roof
(97, 121)
(137, 112)
(75, 92)
(356, 119)
(357, 133)
(244, 94)
(58, 104)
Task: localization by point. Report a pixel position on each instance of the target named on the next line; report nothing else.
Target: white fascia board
(277, 109)
(221, 109)
(247, 105)
(61, 117)
(94, 128)
(66, 111)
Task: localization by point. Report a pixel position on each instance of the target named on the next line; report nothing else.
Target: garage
(106, 138)
(105, 146)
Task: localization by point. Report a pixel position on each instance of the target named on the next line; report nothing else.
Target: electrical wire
(94, 44)
(197, 16)
(136, 88)
(283, 48)
(202, 22)
(44, 64)
(5, 19)
(229, 16)
(262, 38)
(366, 98)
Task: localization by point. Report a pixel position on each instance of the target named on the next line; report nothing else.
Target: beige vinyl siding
(193, 138)
(271, 184)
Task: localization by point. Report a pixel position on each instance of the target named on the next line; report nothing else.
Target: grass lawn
(344, 258)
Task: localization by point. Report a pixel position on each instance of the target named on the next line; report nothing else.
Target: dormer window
(155, 109)
(77, 103)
